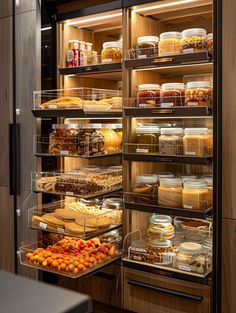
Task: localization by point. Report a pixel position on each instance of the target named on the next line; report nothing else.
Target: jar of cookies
(195, 195)
(172, 94)
(160, 252)
(147, 139)
(170, 192)
(199, 93)
(147, 46)
(160, 227)
(63, 140)
(148, 95)
(112, 52)
(91, 141)
(169, 43)
(193, 40)
(145, 189)
(197, 142)
(171, 141)
(138, 251)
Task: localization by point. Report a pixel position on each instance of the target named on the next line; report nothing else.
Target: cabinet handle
(163, 111)
(162, 60)
(170, 292)
(14, 159)
(89, 69)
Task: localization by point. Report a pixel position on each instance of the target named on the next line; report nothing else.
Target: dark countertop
(23, 295)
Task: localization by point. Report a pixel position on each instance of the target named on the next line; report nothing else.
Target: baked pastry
(63, 103)
(46, 183)
(36, 220)
(53, 221)
(67, 215)
(75, 229)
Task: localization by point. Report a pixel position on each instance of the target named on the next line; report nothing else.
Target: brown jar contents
(171, 141)
(195, 195)
(199, 93)
(197, 142)
(146, 189)
(170, 193)
(172, 94)
(147, 46)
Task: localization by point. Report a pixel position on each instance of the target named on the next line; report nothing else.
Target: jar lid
(146, 179)
(139, 244)
(164, 175)
(172, 182)
(190, 247)
(66, 126)
(112, 44)
(161, 243)
(73, 40)
(144, 39)
(209, 36)
(111, 126)
(113, 203)
(199, 84)
(185, 177)
(160, 219)
(91, 126)
(171, 131)
(195, 184)
(193, 32)
(115, 167)
(148, 130)
(149, 87)
(208, 180)
(196, 131)
(170, 86)
(175, 35)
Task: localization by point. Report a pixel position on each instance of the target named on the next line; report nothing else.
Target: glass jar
(113, 203)
(170, 192)
(89, 48)
(148, 95)
(185, 177)
(195, 195)
(112, 52)
(171, 141)
(147, 139)
(111, 236)
(160, 227)
(169, 43)
(187, 256)
(197, 142)
(161, 175)
(63, 140)
(147, 46)
(95, 57)
(209, 183)
(193, 40)
(160, 252)
(91, 140)
(172, 94)
(210, 45)
(112, 139)
(199, 93)
(83, 54)
(138, 251)
(146, 189)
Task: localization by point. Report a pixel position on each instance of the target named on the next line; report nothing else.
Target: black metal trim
(91, 69)
(42, 155)
(131, 3)
(170, 292)
(76, 113)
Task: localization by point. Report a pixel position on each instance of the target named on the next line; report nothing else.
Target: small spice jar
(170, 192)
(147, 139)
(193, 40)
(172, 94)
(197, 142)
(112, 52)
(160, 227)
(210, 45)
(171, 141)
(195, 195)
(160, 252)
(148, 95)
(209, 183)
(186, 258)
(169, 43)
(138, 251)
(199, 93)
(147, 46)
(146, 189)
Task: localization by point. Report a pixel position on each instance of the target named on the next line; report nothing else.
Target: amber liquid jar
(148, 95)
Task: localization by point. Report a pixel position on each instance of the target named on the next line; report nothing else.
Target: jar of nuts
(199, 93)
(91, 141)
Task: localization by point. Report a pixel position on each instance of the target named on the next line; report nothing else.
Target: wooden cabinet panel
(5, 9)
(148, 293)
(26, 5)
(228, 265)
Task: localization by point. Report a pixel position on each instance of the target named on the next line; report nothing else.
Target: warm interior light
(164, 5)
(45, 28)
(92, 19)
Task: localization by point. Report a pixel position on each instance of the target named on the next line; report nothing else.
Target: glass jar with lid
(193, 40)
(160, 252)
(209, 183)
(210, 45)
(199, 93)
(113, 141)
(63, 140)
(147, 139)
(83, 53)
(170, 192)
(160, 227)
(187, 258)
(172, 95)
(112, 52)
(94, 57)
(169, 43)
(138, 251)
(171, 141)
(197, 142)
(145, 189)
(147, 46)
(195, 195)
(113, 203)
(161, 175)
(148, 95)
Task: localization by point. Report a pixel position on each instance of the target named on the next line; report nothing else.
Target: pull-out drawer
(148, 293)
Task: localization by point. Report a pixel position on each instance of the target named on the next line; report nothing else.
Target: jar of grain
(169, 43)
(170, 192)
(171, 141)
(195, 195)
(146, 189)
(197, 142)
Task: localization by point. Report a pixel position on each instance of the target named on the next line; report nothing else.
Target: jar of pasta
(147, 139)
(112, 52)
(147, 46)
(172, 94)
(171, 141)
(195, 195)
(160, 252)
(148, 95)
(160, 227)
(169, 43)
(197, 142)
(193, 40)
(199, 93)
(170, 192)
(146, 189)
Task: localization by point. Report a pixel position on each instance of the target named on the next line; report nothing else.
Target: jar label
(69, 193)
(64, 152)
(52, 106)
(61, 230)
(167, 104)
(187, 206)
(107, 60)
(140, 150)
(167, 258)
(190, 153)
(142, 56)
(43, 225)
(192, 104)
(137, 257)
(142, 105)
(185, 268)
(190, 50)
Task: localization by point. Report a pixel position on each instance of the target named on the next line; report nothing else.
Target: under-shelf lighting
(93, 19)
(46, 28)
(164, 5)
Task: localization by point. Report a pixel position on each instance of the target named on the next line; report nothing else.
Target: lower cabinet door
(148, 293)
